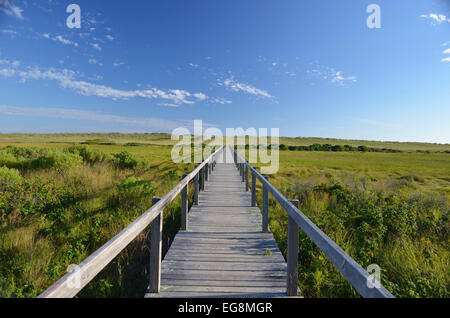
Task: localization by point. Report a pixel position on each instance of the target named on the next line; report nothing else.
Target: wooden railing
(349, 268)
(71, 283)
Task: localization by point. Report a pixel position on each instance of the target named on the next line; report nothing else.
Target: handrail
(71, 283)
(351, 270)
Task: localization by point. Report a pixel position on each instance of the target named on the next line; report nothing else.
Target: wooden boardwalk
(224, 252)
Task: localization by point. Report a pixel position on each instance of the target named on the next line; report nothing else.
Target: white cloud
(116, 64)
(12, 32)
(168, 104)
(76, 114)
(60, 38)
(436, 19)
(222, 101)
(7, 72)
(447, 51)
(95, 62)
(236, 86)
(96, 46)
(446, 59)
(11, 68)
(109, 37)
(10, 9)
(326, 73)
(67, 79)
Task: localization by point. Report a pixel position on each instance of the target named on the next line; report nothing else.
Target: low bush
(89, 155)
(125, 160)
(34, 158)
(9, 177)
(131, 192)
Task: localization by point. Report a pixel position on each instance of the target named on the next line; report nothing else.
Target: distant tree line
(326, 147)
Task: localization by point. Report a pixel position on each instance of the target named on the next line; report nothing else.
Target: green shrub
(172, 175)
(89, 155)
(24, 152)
(54, 159)
(125, 160)
(132, 193)
(7, 159)
(10, 176)
(34, 158)
(363, 148)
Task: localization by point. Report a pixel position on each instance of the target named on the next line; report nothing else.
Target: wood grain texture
(223, 253)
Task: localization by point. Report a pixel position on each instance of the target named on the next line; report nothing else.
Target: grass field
(58, 203)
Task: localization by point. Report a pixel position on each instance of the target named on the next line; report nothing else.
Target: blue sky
(310, 68)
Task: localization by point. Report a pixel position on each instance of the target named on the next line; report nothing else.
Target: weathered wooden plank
(214, 295)
(251, 259)
(225, 283)
(224, 289)
(229, 280)
(223, 266)
(225, 275)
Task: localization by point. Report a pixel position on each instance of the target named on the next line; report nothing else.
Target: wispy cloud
(330, 74)
(435, 19)
(68, 79)
(96, 46)
(222, 101)
(95, 62)
(10, 9)
(157, 124)
(446, 59)
(109, 37)
(244, 87)
(117, 63)
(12, 32)
(60, 38)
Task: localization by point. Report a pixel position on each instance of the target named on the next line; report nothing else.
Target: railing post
(265, 214)
(292, 255)
(206, 171)
(253, 189)
(203, 179)
(246, 178)
(196, 187)
(242, 171)
(156, 250)
(184, 206)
